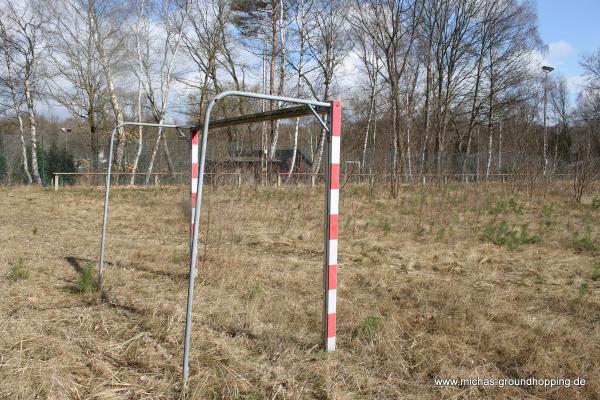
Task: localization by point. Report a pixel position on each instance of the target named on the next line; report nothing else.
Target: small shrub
(497, 208)
(585, 242)
(596, 203)
(502, 234)
(514, 206)
(87, 280)
(35, 230)
(546, 215)
(596, 272)
(583, 289)
(501, 206)
(17, 271)
(386, 227)
(255, 292)
(370, 328)
(420, 231)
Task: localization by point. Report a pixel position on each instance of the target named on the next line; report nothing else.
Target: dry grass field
(457, 281)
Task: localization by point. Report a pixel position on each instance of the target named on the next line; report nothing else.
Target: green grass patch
(595, 272)
(584, 242)
(502, 234)
(370, 328)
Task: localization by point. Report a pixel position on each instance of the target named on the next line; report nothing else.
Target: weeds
(583, 290)
(386, 227)
(596, 203)
(595, 271)
(585, 242)
(502, 234)
(17, 271)
(370, 328)
(87, 281)
(546, 215)
(511, 205)
(35, 231)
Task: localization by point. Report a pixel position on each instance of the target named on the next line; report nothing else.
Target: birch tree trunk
(139, 96)
(281, 75)
(110, 86)
(17, 109)
(23, 148)
(32, 132)
(499, 171)
(366, 140)
(295, 149)
(154, 151)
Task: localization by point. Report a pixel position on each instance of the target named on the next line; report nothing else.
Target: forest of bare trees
(428, 86)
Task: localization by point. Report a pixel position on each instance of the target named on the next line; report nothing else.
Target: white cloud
(559, 52)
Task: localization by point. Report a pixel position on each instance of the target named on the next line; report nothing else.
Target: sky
(570, 29)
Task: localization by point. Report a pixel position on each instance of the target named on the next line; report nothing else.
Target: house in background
(249, 164)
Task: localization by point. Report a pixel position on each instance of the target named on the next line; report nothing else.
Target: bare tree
(301, 21)
(392, 26)
(105, 30)
(367, 52)
(10, 81)
(77, 81)
(159, 60)
(26, 27)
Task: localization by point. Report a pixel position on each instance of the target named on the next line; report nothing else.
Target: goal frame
(332, 127)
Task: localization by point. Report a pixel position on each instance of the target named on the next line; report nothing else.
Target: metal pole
(194, 255)
(107, 190)
(545, 123)
(105, 217)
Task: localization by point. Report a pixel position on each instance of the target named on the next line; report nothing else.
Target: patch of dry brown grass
(423, 293)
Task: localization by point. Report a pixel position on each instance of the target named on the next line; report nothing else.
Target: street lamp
(66, 131)
(546, 70)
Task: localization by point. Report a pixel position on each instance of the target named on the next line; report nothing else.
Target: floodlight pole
(547, 71)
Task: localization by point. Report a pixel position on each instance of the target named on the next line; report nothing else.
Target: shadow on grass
(105, 296)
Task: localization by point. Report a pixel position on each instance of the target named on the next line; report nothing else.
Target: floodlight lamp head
(546, 68)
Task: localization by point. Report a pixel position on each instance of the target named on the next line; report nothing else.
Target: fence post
(56, 179)
(312, 180)
(239, 179)
(278, 179)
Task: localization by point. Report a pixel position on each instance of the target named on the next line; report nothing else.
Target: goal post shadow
(199, 142)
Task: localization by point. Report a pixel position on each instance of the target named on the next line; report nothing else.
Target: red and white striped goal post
(331, 229)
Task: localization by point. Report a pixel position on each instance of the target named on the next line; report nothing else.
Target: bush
(596, 272)
(502, 234)
(585, 242)
(17, 271)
